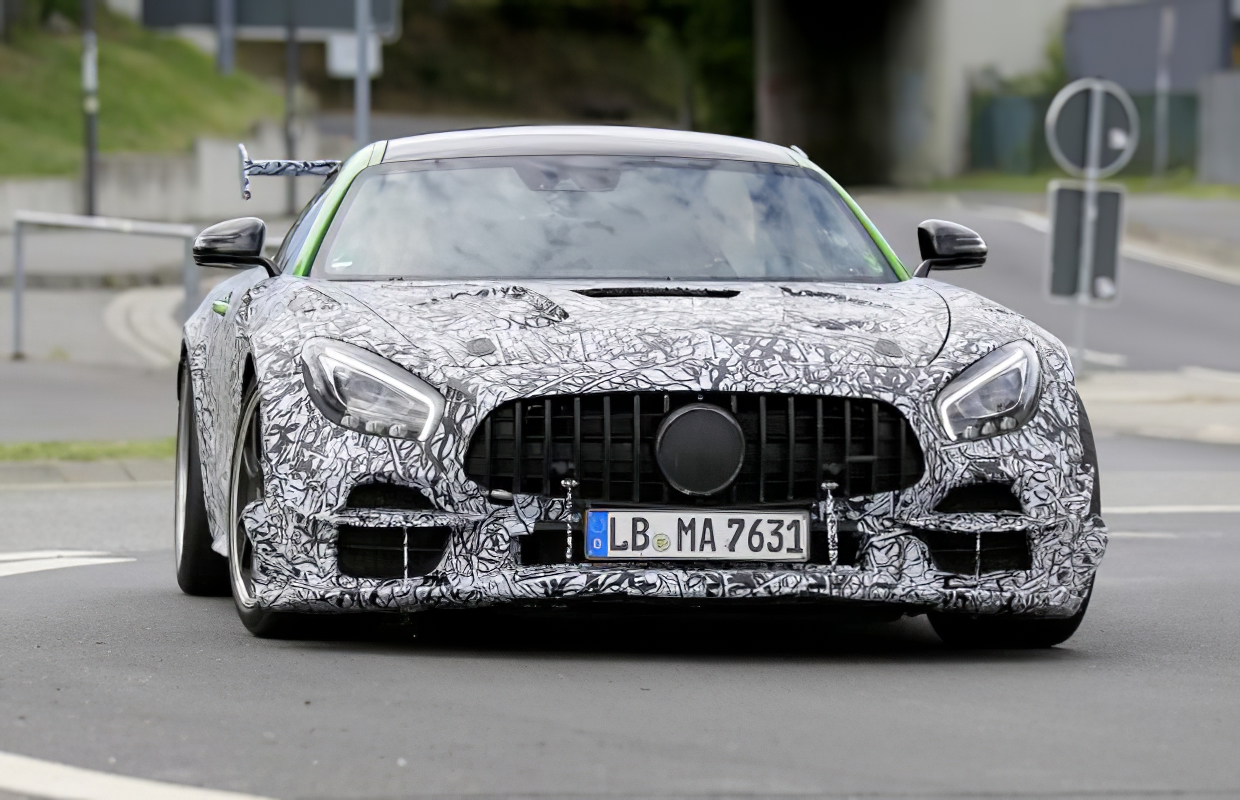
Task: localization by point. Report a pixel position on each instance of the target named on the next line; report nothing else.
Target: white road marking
(1207, 374)
(1161, 258)
(1139, 252)
(36, 487)
(1142, 535)
(29, 555)
(1106, 359)
(44, 564)
(41, 560)
(1030, 219)
(32, 776)
(1204, 509)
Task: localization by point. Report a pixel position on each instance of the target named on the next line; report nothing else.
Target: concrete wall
(200, 186)
(1218, 159)
(946, 45)
(888, 82)
(128, 8)
(821, 82)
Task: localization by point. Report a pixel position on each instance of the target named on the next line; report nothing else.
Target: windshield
(597, 217)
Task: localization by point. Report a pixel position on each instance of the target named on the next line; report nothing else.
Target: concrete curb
(17, 475)
(1194, 404)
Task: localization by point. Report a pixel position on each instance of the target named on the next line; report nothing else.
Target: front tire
(200, 570)
(1006, 632)
(246, 484)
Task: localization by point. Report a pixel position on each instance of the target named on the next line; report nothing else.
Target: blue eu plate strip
(596, 534)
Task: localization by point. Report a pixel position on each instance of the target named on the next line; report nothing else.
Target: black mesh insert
(548, 544)
(979, 498)
(389, 552)
(793, 443)
(963, 554)
(848, 546)
(388, 495)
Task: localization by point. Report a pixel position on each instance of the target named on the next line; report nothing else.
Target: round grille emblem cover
(700, 448)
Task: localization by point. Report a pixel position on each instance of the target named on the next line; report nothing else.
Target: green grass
(1181, 183)
(87, 451)
(156, 94)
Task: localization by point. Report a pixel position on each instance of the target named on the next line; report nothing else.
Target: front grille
(364, 552)
(793, 443)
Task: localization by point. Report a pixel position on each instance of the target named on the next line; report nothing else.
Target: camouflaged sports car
(565, 365)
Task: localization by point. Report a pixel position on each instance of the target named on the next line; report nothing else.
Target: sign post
(1091, 129)
(90, 102)
(361, 81)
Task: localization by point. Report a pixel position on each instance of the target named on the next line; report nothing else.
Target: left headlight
(360, 390)
(997, 394)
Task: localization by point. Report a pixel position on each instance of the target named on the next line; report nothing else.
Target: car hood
(493, 324)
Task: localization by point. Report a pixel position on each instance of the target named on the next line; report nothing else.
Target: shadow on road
(759, 634)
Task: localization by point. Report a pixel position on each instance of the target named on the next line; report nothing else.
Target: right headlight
(997, 394)
(365, 392)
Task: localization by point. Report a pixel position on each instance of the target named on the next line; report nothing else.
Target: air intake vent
(979, 498)
(657, 291)
(548, 544)
(978, 553)
(606, 442)
(389, 496)
(389, 552)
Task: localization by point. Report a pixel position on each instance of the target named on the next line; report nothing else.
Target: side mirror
(946, 245)
(237, 243)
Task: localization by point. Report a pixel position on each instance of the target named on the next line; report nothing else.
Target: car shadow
(772, 633)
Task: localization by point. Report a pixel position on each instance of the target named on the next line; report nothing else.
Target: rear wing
(278, 167)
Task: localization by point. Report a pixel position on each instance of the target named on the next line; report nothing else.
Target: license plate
(697, 536)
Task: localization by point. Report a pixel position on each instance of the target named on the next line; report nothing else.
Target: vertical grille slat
(903, 446)
(579, 474)
(518, 440)
(607, 447)
(490, 452)
(874, 443)
(667, 407)
(547, 444)
(762, 449)
(818, 443)
(792, 446)
(637, 439)
(848, 448)
(734, 405)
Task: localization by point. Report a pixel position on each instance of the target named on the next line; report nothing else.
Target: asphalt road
(1163, 320)
(109, 668)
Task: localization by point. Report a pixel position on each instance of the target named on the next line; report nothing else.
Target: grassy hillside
(155, 93)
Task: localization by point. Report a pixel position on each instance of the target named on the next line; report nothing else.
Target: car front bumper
(298, 568)
(314, 465)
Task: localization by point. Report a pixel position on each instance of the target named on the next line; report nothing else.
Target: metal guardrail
(23, 219)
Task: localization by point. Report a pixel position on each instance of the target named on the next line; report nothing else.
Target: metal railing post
(19, 288)
(33, 219)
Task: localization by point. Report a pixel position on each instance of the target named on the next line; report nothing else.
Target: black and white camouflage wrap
(899, 343)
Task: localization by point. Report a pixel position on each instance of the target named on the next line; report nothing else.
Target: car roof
(543, 140)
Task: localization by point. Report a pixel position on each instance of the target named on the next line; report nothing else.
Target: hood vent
(657, 291)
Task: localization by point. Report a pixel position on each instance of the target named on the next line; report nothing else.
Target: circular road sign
(1091, 128)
